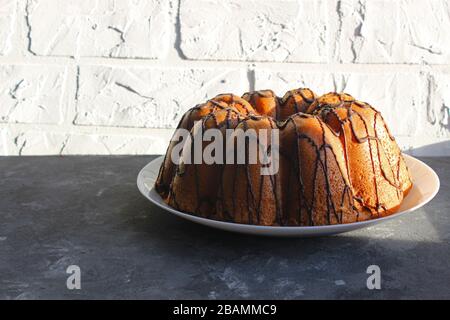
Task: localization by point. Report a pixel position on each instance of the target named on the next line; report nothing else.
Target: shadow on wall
(432, 150)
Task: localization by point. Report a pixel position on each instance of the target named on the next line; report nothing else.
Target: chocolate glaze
(355, 124)
(349, 106)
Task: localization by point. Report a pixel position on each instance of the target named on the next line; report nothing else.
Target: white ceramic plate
(426, 185)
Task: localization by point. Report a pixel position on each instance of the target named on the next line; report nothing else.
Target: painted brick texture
(115, 77)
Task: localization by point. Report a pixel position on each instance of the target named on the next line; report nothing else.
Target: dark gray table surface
(87, 211)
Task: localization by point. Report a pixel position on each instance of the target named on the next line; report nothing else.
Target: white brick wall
(115, 76)
(101, 28)
(242, 30)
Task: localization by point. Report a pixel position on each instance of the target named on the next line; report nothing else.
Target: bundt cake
(338, 162)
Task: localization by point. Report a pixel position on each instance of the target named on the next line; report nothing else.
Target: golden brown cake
(338, 162)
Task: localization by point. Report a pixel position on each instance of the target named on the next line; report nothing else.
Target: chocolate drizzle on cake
(339, 163)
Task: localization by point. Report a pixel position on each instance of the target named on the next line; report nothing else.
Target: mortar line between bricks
(269, 65)
(87, 129)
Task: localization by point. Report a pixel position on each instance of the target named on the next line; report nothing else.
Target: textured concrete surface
(87, 211)
(95, 77)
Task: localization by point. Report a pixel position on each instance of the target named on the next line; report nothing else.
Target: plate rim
(233, 226)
